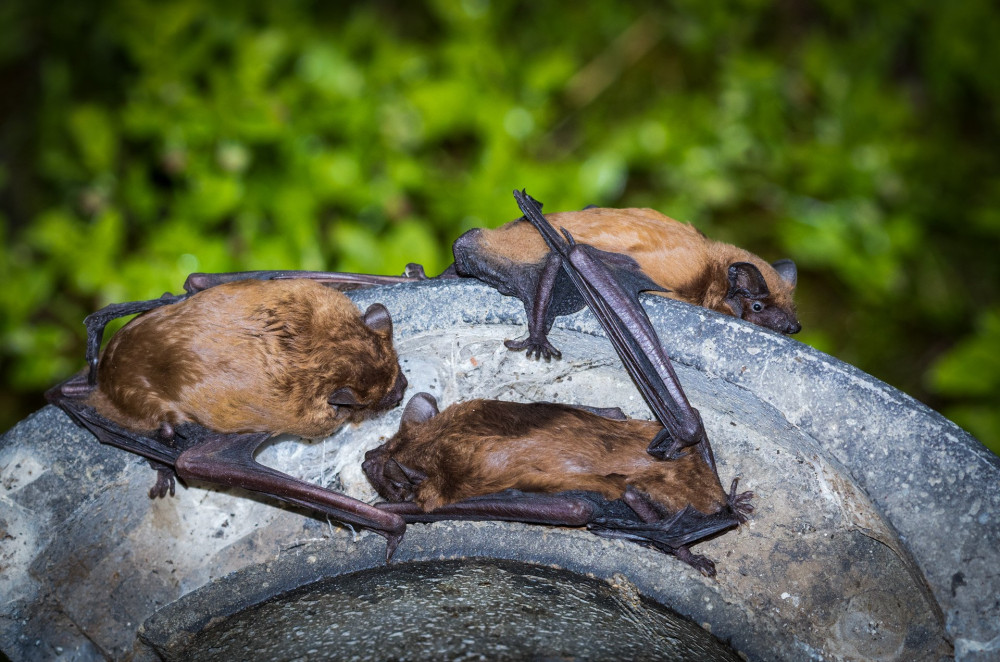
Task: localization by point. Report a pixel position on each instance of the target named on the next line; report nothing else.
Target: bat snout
(395, 394)
(793, 327)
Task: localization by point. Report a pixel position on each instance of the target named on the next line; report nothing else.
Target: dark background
(141, 141)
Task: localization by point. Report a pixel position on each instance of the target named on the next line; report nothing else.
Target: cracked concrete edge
(167, 632)
(933, 482)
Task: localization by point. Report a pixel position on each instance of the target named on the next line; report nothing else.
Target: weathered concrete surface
(442, 610)
(874, 514)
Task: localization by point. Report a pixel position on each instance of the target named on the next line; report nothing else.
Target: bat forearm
(340, 280)
(517, 507)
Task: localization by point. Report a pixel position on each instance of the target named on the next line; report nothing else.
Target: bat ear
(421, 407)
(746, 280)
(787, 270)
(377, 319)
(343, 397)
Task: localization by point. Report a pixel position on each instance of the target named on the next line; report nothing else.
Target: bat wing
(67, 396)
(225, 459)
(608, 519)
(686, 527)
(95, 323)
(610, 284)
(563, 509)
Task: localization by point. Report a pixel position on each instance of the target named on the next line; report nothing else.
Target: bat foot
(702, 564)
(740, 503)
(536, 349)
(165, 482)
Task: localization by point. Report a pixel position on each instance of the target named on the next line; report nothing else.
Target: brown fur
(482, 447)
(673, 254)
(248, 356)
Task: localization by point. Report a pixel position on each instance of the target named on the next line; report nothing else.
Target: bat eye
(757, 306)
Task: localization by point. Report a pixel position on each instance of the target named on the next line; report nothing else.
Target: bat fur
(685, 264)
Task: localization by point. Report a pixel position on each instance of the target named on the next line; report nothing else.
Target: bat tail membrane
(67, 396)
(671, 535)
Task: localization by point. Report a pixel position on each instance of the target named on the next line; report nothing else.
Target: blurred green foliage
(142, 140)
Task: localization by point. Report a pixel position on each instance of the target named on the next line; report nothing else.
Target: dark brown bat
(197, 385)
(682, 261)
(655, 483)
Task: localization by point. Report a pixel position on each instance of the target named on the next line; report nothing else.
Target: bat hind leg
(161, 448)
(553, 295)
(534, 346)
(702, 564)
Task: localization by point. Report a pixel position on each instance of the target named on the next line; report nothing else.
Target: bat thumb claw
(392, 541)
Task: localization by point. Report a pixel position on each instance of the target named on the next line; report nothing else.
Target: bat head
(765, 300)
(368, 378)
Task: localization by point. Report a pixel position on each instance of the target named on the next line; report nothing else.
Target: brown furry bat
(683, 262)
(199, 381)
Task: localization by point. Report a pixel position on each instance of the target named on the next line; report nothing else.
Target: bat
(685, 264)
(199, 381)
(198, 282)
(652, 482)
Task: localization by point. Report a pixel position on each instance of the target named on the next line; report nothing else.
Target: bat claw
(392, 541)
(165, 482)
(536, 349)
(740, 503)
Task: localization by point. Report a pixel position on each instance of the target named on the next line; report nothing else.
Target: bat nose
(399, 389)
(794, 327)
(395, 394)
